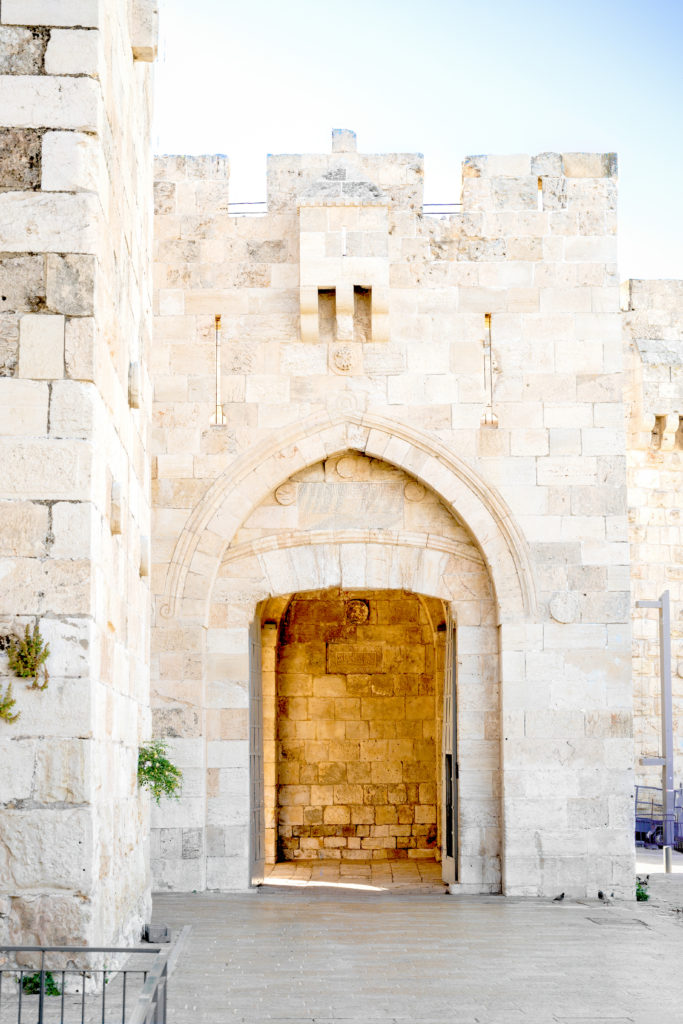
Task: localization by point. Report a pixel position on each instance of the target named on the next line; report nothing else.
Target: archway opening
(353, 730)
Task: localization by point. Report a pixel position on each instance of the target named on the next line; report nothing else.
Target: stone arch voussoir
(216, 518)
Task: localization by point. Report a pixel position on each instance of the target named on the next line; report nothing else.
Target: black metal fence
(87, 984)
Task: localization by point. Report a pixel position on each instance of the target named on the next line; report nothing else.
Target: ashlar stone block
(70, 283)
(38, 101)
(36, 222)
(70, 162)
(41, 351)
(65, 13)
(19, 159)
(23, 407)
(74, 52)
(22, 283)
(21, 50)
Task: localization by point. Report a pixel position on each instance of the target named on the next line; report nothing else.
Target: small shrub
(641, 892)
(7, 702)
(25, 656)
(30, 983)
(157, 773)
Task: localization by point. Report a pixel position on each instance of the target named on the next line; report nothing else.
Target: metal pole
(667, 719)
(41, 996)
(667, 760)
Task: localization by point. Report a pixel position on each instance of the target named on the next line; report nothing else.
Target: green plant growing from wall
(31, 984)
(27, 655)
(157, 773)
(7, 702)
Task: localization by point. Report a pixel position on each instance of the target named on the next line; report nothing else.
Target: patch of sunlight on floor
(311, 884)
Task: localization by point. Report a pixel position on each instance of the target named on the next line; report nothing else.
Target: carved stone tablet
(350, 505)
(357, 611)
(354, 658)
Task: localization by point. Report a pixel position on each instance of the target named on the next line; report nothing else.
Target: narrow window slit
(327, 314)
(658, 432)
(362, 313)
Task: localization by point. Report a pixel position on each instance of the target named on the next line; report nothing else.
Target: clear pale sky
(446, 79)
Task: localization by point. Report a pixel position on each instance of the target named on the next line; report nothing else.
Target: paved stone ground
(333, 955)
(375, 875)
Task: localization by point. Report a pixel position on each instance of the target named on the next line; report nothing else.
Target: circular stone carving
(343, 358)
(564, 608)
(286, 494)
(346, 467)
(414, 491)
(357, 611)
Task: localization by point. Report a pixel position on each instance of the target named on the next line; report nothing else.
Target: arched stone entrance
(350, 521)
(416, 548)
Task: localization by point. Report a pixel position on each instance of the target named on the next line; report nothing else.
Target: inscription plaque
(350, 504)
(361, 658)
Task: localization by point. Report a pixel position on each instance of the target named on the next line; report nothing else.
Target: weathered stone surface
(71, 162)
(22, 283)
(73, 52)
(54, 919)
(79, 348)
(144, 29)
(23, 529)
(36, 222)
(51, 12)
(25, 859)
(23, 408)
(20, 150)
(29, 101)
(22, 50)
(9, 344)
(63, 440)
(41, 354)
(70, 284)
(589, 165)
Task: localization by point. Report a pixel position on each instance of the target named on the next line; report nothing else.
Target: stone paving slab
(321, 956)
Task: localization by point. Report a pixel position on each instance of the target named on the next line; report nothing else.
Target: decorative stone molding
(564, 607)
(357, 611)
(414, 491)
(252, 476)
(342, 358)
(286, 494)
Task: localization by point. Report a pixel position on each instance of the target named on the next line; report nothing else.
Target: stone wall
(357, 727)
(75, 232)
(480, 353)
(653, 338)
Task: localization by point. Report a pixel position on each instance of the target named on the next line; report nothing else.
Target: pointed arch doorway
(353, 734)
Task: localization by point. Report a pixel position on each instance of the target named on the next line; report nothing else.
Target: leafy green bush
(157, 773)
(30, 983)
(25, 656)
(7, 702)
(641, 892)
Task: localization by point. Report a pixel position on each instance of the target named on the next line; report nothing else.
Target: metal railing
(87, 984)
(258, 209)
(440, 209)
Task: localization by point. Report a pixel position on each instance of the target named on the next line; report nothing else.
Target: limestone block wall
(75, 275)
(357, 727)
(653, 339)
(495, 377)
